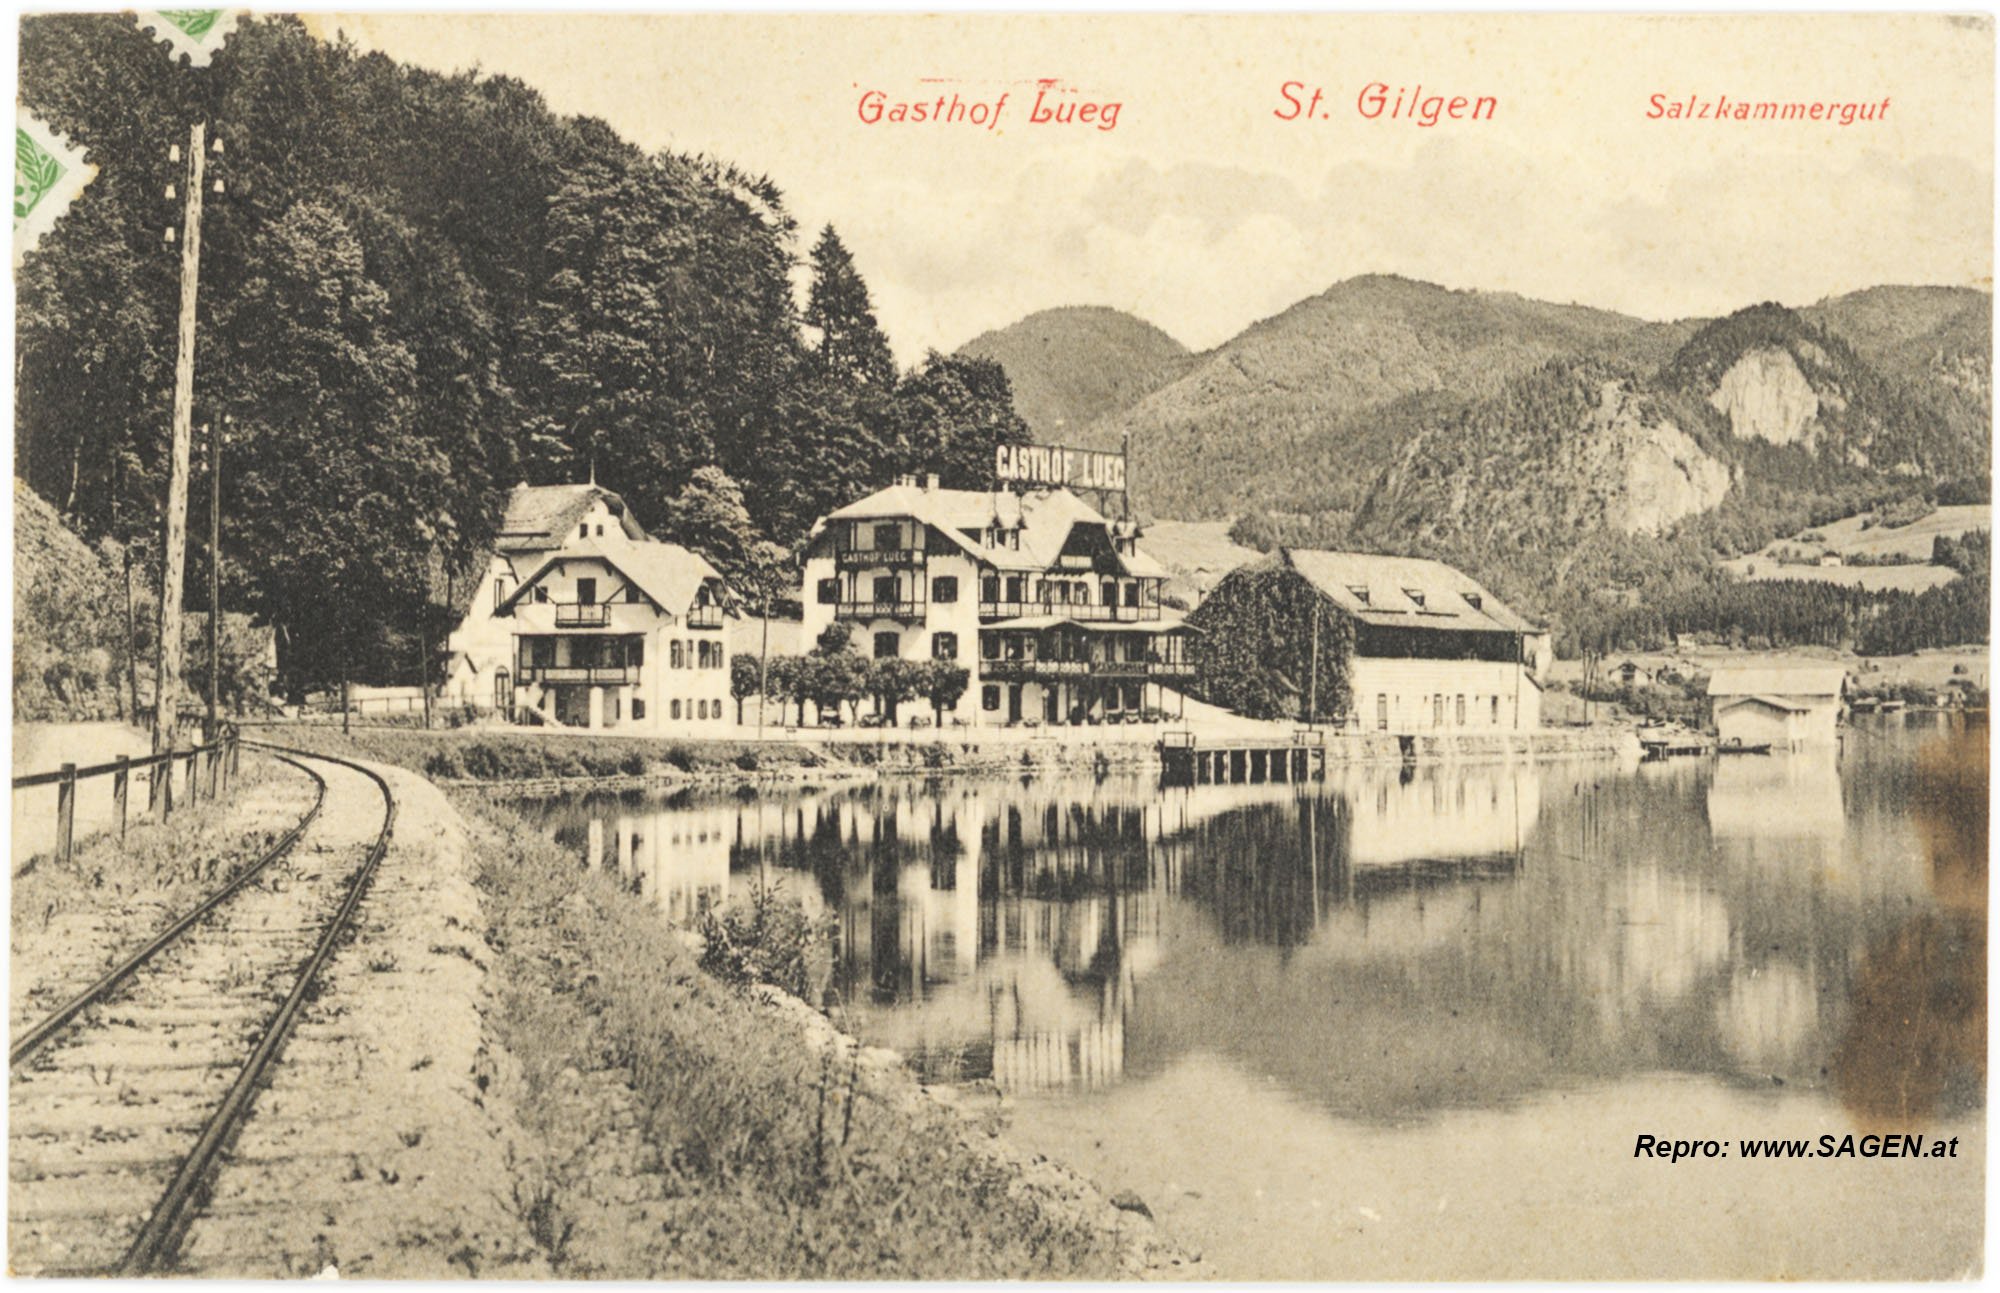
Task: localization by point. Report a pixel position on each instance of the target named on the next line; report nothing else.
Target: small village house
(1786, 707)
(580, 620)
(1631, 673)
(1052, 609)
(1376, 643)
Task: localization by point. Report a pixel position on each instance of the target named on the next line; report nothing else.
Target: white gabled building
(1052, 609)
(1788, 707)
(582, 621)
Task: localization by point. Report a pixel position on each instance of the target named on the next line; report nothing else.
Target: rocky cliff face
(1661, 474)
(1572, 450)
(1766, 397)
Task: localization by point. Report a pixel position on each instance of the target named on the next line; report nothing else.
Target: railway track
(124, 1101)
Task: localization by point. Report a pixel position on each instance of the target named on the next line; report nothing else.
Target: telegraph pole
(215, 435)
(167, 678)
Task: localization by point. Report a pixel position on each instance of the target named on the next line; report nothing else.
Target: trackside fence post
(66, 813)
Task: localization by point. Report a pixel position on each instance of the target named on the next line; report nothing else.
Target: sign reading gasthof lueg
(1058, 465)
(49, 173)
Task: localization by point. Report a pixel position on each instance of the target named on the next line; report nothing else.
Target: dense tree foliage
(1952, 614)
(1257, 650)
(417, 289)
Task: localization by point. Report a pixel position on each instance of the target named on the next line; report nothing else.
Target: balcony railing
(1120, 669)
(704, 617)
(879, 610)
(582, 615)
(1085, 612)
(866, 558)
(615, 675)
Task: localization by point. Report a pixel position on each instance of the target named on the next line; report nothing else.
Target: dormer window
(1359, 592)
(1416, 596)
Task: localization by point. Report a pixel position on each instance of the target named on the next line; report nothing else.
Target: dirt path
(371, 1152)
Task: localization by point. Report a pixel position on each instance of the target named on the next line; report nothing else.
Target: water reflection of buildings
(1387, 942)
(1780, 807)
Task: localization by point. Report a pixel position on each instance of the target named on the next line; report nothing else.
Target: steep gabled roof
(1377, 589)
(1043, 517)
(1766, 681)
(666, 572)
(540, 517)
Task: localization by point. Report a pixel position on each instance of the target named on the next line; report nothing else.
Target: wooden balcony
(600, 675)
(880, 610)
(704, 617)
(1082, 612)
(583, 615)
(1063, 670)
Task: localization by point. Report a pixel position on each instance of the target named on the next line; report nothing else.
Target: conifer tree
(850, 346)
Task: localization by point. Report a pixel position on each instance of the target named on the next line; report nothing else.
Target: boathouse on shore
(1786, 707)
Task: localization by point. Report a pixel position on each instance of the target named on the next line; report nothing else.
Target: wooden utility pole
(173, 557)
(214, 728)
(1312, 677)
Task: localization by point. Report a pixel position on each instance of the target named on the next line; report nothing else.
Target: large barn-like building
(1399, 644)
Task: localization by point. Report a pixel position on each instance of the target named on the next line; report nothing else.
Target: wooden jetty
(1239, 761)
(1675, 745)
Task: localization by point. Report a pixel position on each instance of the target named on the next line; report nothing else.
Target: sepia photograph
(965, 647)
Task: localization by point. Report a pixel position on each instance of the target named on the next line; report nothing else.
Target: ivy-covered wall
(1255, 650)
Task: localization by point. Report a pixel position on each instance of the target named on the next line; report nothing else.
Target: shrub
(747, 761)
(769, 938)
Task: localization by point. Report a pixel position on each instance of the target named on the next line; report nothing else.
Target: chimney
(930, 482)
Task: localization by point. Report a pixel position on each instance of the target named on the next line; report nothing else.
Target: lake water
(1409, 1022)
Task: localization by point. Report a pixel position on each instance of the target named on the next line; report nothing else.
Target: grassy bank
(676, 1128)
(499, 755)
(522, 756)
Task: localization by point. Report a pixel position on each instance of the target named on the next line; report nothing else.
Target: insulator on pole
(170, 234)
(174, 153)
(216, 147)
(218, 186)
(170, 193)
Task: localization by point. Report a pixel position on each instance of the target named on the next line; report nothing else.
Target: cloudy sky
(1203, 211)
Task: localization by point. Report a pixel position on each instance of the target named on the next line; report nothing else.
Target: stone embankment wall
(836, 761)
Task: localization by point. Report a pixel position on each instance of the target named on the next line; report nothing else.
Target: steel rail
(160, 1237)
(39, 1036)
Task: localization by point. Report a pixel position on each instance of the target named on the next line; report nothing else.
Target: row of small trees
(836, 681)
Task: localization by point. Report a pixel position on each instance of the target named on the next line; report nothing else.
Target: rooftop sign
(1056, 465)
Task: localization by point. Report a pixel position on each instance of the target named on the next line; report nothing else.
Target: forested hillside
(1072, 365)
(1300, 411)
(416, 290)
(1599, 499)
